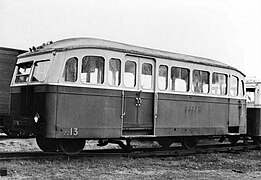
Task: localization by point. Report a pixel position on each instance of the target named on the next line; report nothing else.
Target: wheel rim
(47, 145)
(165, 142)
(71, 146)
(189, 143)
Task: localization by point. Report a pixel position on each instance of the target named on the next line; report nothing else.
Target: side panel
(130, 119)
(180, 115)
(237, 116)
(88, 113)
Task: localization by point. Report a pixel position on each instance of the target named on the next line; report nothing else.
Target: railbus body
(83, 88)
(8, 57)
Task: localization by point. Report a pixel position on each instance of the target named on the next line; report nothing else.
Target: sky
(225, 30)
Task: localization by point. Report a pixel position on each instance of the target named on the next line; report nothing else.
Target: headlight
(36, 117)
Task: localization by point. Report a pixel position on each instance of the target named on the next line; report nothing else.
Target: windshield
(23, 72)
(39, 70)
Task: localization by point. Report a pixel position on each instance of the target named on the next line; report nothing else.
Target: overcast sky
(225, 30)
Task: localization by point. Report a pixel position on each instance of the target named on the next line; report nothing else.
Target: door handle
(138, 102)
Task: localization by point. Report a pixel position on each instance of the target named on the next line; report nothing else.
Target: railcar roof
(78, 43)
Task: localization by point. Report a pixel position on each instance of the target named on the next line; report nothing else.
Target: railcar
(78, 89)
(8, 57)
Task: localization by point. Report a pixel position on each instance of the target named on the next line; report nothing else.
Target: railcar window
(242, 89)
(200, 81)
(40, 70)
(70, 70)
(146, 76)
(114, 72)
(219, 84)
(130, 74)
(163, 77)
(180, 79)
(92, 70)
(233, 86)
(23, 72)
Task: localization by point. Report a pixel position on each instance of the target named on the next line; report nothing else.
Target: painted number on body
(71, 132)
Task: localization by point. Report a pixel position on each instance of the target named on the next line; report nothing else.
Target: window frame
(167, 77)
(120, 73)
(77, 73)
(230, 78)
(104, 70)
(151, 75)
(20, 75)
(227, 80)
(192, 81)
(188, 86)
(135, 75)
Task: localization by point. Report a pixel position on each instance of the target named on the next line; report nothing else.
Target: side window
(92, 69)
(200, 81)
(130, 74)
(163, 77)
(114, 77)
(179, 79)
(219, 84)
(70, 70)
(242, 89)
(233, 86)
(146, 76)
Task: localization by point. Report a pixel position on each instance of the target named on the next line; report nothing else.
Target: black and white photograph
(130, 89)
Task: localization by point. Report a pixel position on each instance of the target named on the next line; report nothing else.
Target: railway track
(134, 153)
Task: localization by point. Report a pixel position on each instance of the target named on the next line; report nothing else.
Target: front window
(92, 70)
(40, 70)
(23, 72)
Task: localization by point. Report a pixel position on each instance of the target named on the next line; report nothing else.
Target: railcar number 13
(71, 132)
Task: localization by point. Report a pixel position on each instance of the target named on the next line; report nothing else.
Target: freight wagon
(8, 59)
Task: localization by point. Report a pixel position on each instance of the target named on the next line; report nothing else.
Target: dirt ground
(244, 165)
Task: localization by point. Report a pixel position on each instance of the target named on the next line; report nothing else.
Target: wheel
(233, 139)
(165, 142)
(47, 145)
(256, 140)
(189, 143)
(71, 146)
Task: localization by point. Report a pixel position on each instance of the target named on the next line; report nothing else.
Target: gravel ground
(244, 165)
